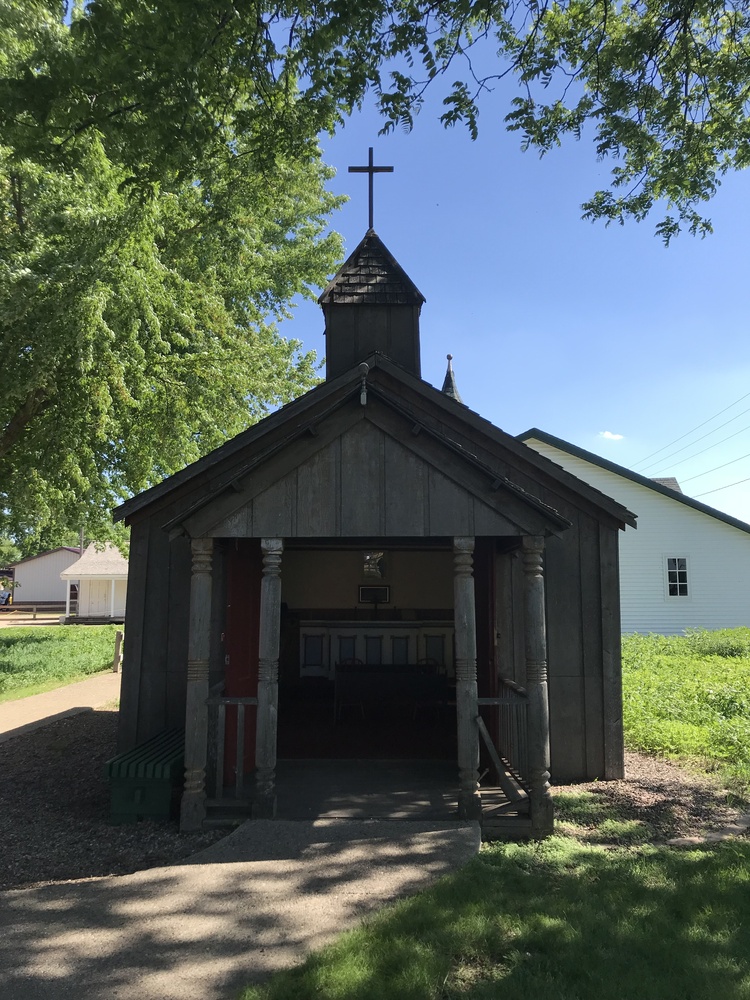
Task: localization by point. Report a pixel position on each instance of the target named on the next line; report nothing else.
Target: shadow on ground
(554, 920)
(205, 930)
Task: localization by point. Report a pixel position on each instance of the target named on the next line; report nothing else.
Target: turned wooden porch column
(535, 637)
(264, 805)
(193, 806)
(467, 709)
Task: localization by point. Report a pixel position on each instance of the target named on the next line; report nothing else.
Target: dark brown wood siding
(614, 765)
(155, 660)
(340, 470)
(583, 646)
(365, 483)
(135, 622)
(509, 650)
(354, 332)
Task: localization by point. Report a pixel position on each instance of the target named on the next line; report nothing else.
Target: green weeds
(688, 697)
(39, 658)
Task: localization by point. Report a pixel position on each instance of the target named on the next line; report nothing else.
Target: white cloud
(609, 436)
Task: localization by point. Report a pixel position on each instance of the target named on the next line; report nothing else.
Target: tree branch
(36, 401)
(15, 186)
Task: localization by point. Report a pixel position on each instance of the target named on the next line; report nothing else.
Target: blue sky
(554, 322)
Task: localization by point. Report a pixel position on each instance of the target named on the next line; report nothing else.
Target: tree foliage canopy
(662, 84)
(138, 293)
(162, 195)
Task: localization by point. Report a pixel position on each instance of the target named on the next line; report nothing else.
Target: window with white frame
(677, 576)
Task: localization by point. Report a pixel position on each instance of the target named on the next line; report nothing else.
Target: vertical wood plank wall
(154, 681)
(568, 739)
(584, 652)
(357, 477)
(614, 765)
(180, 559)
(127, 723)
(510, 656)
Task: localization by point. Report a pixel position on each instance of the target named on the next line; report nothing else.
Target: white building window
(677, 576)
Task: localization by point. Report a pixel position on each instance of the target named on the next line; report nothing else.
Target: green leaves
(663, 87)
(139, 288)
(162, 197)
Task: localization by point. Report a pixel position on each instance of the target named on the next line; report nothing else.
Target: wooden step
(494, 801)
(506, 827)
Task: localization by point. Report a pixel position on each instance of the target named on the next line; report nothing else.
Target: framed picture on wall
(369, 594)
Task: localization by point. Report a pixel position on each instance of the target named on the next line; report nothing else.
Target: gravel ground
(655, 802)
(54, 804)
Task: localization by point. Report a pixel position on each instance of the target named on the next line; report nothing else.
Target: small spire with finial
(449, 384)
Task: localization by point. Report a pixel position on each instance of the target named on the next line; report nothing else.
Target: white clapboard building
(38, 580)
(102, 575)
(686, 566)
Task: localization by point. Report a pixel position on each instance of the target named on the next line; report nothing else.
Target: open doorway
(367, 663)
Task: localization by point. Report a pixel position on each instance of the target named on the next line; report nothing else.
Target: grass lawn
(40, 658)
(556, 920)
(567, 920)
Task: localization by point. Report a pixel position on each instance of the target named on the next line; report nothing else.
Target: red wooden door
(244, 568)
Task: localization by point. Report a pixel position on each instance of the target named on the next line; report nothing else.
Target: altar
(366, 688)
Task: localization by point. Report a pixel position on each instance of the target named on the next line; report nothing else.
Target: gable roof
(668, 481)
(371, 276)
(107, 562)
(474, 440)
(49, 552)
(619, 470)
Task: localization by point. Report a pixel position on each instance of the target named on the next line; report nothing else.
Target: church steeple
(371, 305)
(449, 383)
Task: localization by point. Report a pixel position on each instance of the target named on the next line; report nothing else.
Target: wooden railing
(217, 704)
(512, 705)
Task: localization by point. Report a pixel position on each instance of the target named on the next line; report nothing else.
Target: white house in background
(102, 577)
(687, 565)
(38, 577)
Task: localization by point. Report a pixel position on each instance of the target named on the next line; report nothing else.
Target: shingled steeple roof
(372, 276)
(449, 384)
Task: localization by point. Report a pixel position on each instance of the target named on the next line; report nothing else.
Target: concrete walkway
(18, 717)
(251, 904)
(257, 901)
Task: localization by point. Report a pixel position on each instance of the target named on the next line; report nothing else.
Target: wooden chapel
(375, 570)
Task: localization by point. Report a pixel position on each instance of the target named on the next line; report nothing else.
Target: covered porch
(376, 711)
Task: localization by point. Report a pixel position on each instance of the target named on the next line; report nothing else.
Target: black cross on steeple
(370, 169)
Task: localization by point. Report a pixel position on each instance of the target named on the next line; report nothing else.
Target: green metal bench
(146, 782)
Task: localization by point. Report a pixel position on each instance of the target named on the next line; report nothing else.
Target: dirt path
(17, 616)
